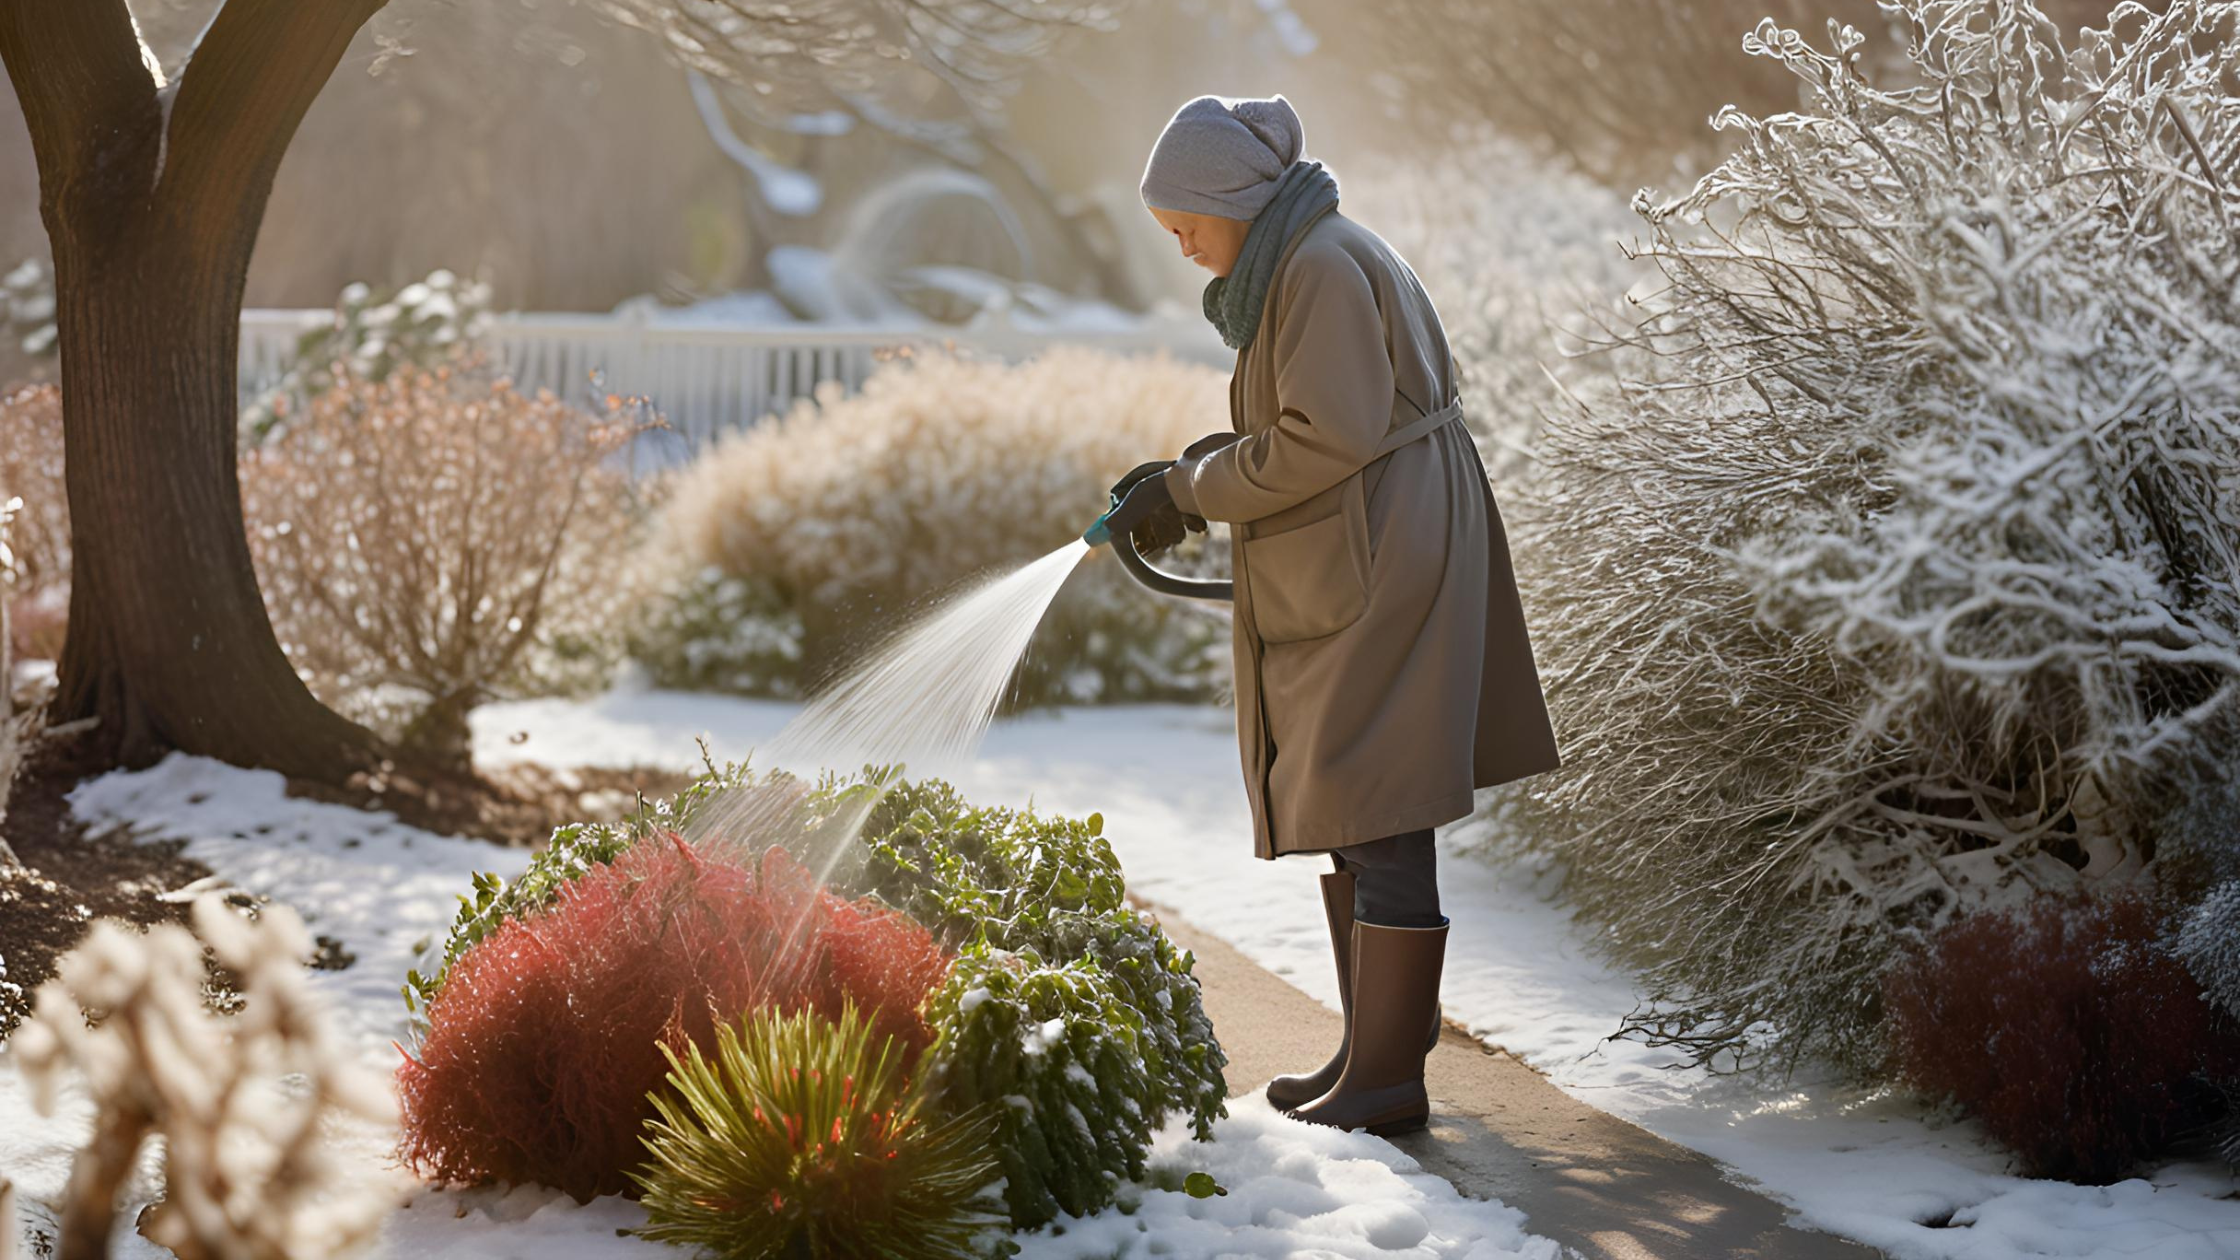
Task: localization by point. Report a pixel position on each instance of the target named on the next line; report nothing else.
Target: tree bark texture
(152, 195)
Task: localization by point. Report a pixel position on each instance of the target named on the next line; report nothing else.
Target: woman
(1381, 662)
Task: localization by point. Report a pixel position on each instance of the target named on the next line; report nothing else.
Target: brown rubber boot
(1286, 1092)
(1295, 1090)
(1395, 990)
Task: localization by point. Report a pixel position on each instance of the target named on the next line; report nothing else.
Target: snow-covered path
(1519, 974)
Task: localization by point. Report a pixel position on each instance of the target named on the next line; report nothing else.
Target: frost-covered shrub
(546, 1037)
(1055, 1051)
(27, 308)
(2197, 838)
(17, 730)
(800, 1136)
(714, 632)
(1511, 247)
(430, 540)
(850, 510)
(1057, 974)
(39, 535)
(2066, 1029)
(2209, 942)
(1905, 584)
(425, 325)
(243, 1104)
(1048, 885)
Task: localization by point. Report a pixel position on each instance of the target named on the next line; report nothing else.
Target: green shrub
(1037, 908)
(1049, 886)
(1056, 1052)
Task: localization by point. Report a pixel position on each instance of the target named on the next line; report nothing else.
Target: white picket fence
(705, 380)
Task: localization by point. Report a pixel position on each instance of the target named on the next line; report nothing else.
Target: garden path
(1604, 1188)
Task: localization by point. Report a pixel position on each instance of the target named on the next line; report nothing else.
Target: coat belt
(1420, 427)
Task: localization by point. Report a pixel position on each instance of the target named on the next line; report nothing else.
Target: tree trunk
(152, 196)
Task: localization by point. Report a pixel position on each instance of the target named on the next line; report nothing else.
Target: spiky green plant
(799, 1138)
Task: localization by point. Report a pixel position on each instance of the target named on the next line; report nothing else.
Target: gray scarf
(1233, 302)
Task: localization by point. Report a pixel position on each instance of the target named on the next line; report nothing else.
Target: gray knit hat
(1222, 156)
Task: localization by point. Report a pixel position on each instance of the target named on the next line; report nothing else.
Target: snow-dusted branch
(1905, 580)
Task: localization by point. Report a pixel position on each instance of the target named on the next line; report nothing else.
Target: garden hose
(1124, 543)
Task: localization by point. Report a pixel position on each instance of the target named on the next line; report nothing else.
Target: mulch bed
(70, 878)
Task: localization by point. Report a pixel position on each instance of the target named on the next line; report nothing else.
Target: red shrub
(545, 1038)
(886, 962)
(2065, 1030)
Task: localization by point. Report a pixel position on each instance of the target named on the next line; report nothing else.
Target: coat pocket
(1311, 580)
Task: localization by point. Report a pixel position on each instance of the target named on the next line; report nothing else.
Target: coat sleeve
(1333, 388)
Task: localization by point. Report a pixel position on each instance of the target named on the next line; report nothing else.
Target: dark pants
(1395, 880)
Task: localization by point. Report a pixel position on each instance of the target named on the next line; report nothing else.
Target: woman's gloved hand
(1147, 509)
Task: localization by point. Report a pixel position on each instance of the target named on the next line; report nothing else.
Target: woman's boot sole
(1406, 1124)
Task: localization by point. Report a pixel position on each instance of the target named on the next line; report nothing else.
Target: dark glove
(1147, 509)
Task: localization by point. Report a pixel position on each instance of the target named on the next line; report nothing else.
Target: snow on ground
(385, 890)
(1294, 1190)
(1519, 974)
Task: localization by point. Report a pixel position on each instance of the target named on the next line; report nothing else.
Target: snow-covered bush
(1021, 882)
(2066, 1029)
(242, 1104)
(1905, 584)
(429, 540)
(849, 510)
(711, 631)
(17, 730)
(1055, 1050)
(2209, 942)
(27, 308)
(39, 537)
(546, 1037)
(801, 1136)
(1512, 249)
(425, 324)
(1056, 974)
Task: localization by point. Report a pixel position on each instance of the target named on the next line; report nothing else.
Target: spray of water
(921, 702)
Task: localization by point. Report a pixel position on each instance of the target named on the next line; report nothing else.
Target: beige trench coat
(1381, 662)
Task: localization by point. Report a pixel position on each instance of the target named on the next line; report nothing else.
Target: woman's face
(1208, 240)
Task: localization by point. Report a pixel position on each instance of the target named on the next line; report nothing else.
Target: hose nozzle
(1098, 533)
